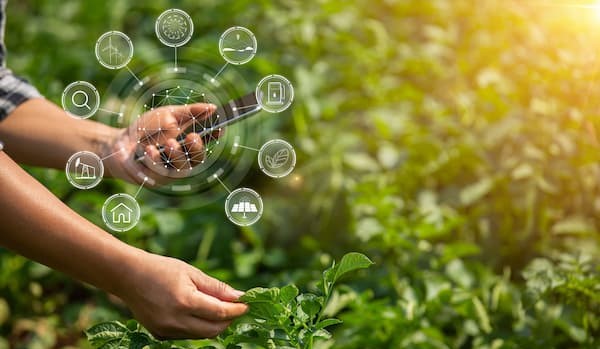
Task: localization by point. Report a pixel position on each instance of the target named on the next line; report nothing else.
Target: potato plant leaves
(278, 318)
(114, 335)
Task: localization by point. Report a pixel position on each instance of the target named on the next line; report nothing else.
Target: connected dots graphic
(177, 142)
(195, 151)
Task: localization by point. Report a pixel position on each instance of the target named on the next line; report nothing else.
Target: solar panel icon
(244, 207)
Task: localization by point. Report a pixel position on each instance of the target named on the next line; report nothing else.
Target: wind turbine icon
(112, 51)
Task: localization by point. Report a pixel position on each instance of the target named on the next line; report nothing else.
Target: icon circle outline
(73, 181)
(250, 192)
(160, 35)
(129, 54)
(136, 211)
(269, 172)
(92, 110)
(222, 48)
(260, 94)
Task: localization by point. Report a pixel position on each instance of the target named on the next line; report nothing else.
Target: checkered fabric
(13, 89)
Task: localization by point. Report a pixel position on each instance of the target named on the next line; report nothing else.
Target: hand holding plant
(175, 300)
(278, 317)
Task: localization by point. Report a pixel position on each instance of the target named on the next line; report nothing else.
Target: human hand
(175, 300)
(155, 128)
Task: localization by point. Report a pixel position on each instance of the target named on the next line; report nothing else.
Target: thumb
(215, 288)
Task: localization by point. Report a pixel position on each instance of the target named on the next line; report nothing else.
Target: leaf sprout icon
(278, 159)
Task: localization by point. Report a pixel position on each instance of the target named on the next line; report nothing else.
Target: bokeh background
(455, 142)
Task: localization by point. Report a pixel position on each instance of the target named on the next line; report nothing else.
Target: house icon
(121, 214)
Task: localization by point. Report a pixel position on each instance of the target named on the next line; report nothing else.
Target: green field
(456, 143)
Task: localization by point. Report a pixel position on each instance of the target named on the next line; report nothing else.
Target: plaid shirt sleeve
(13, 90)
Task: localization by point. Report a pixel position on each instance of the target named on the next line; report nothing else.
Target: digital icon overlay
(178, 164)
(238, 45)
(80, 99)
(181, 86)
(277, 158)
(174, 28)
(121, 212)
(244, 206)
(114, 50)
(274, 93)
(84, 170)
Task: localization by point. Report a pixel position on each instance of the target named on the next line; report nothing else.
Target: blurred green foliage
(453, 141)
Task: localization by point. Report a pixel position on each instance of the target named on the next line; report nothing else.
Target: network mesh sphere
(155, 135)
(174, 27)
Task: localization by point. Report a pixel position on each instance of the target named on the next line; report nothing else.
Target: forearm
(39, 226)
(41, 134)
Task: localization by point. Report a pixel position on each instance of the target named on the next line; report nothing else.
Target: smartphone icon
(276, 93)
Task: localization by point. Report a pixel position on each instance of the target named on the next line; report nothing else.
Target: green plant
(278, 317)
(456, 143)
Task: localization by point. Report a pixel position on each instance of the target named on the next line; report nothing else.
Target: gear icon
(174, 27)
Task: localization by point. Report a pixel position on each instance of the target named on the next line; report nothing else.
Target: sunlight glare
(596, 9)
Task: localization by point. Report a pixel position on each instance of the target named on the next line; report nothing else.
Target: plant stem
(310, 343)
(327, 297)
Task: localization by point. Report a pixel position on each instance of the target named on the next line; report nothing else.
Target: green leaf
(573, 225)
(361, 161)
(322, 333)
(482, 315)
(327, 323)
(260, 294)
(309, 306)
(106, 332)
(138, 340)
(264, 303)
(288, 293)
(328, 276)
(350, 262)
(476, 191)
(132, 325)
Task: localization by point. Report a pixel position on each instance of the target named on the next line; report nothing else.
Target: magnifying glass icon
(86, 99)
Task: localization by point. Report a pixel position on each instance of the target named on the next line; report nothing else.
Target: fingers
(195, 148)
(186, 114)
(151, 152)
(210, 308)
(214, 287)
(176, 155)
(158, 125)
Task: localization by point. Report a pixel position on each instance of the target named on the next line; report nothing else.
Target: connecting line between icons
(140, 82)
(175, 58)
(113, 154)
(219, 73)
(245, 107)
(140, 188)
(223, 184)
(111, 112)
(245, 147)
